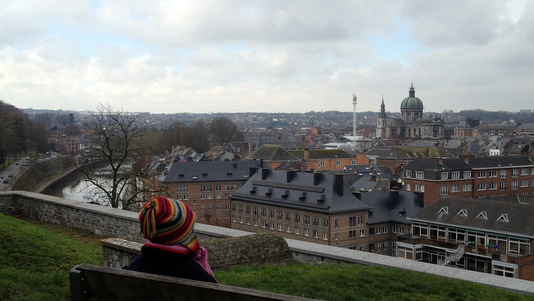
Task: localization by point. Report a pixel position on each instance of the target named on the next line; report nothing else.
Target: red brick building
(206, 185)
(318, 207)
(474, 177)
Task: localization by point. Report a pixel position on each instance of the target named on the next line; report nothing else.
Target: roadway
(10, 174)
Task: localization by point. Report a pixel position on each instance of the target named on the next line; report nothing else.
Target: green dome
(411, 102)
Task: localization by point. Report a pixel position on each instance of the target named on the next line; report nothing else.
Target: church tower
(381, 121)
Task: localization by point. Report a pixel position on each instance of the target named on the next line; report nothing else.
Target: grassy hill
(36, 258)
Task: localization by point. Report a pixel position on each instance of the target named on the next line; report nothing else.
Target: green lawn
(35, 262)
(357, 282)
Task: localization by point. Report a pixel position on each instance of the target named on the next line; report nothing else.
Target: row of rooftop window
(315, 221)
(315, 233)
(209, 187)
(503, 173)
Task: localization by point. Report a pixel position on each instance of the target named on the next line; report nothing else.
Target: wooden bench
(91, 282)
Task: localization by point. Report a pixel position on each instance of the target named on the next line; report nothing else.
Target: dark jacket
(161, 262)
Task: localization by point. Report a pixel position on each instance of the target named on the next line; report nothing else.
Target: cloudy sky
(266, 56)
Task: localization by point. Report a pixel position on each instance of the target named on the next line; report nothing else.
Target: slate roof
(499, 161)
(209, 171)
(392, 206)
(317, 192)
(388, 154)
(438, 164)
(272, 152)
(322, 154)
(507, 215)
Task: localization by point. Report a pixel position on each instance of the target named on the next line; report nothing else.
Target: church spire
(412, 91)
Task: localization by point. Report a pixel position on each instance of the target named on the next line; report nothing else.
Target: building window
(315, 234)
(263, 212)
(455, 175)
(482, 174)
(514, 185)
(352, 221)
(515, 173)
(444, 190)
(524, 171)
(419, 188)
(297, 218)
(362, 232)
(325, 223)
(419, 174)
(371, 231)
(279, 215)
(444, 175)
(361, 220)
(481, 186)
(408, 173)
(455, 188)
(306, 220)
(502, 186)
(306, 232)
(297, 230)
(492, 173)
(271, 225)
(279, 227)
(288, 216)
(325, 236)
(338, 162)
(353, 162)
(271, 214)
(336, 223)
(492, 186)
(288, 229)
(315, 221)
(408, 187)
(322, 163)
(467, 187)
(352, 234)
(467, 174)
(504, 173)
(524, 183)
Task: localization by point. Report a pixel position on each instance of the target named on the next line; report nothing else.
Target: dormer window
(444, 210)
(483, 215)
(503, 218)
(462, 212)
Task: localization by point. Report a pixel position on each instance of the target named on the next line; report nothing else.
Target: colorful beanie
(168, 222)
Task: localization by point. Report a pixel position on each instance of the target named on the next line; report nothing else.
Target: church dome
(411, 102)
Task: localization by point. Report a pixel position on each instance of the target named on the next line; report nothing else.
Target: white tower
(354, 101)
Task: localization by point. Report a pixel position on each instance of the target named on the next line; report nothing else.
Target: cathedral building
(411, 125)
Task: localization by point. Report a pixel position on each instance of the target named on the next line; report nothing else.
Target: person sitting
(172, 248)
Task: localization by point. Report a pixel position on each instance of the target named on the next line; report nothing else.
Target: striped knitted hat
(168, 222)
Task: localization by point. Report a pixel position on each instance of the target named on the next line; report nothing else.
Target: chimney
(338, 184)
(306, 155)
(251, 171)
(289, 176)
(317, 178)
(393, 198)
(249, 148)
(264, 173)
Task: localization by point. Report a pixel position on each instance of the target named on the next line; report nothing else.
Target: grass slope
(35, 262)
(358, 282)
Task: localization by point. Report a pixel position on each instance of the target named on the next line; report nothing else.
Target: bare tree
(224, 130)
(118, 144)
